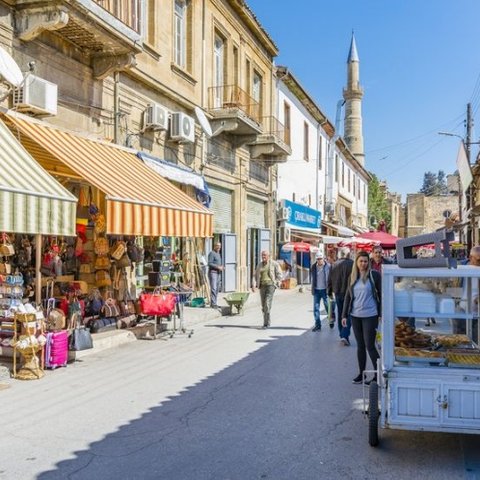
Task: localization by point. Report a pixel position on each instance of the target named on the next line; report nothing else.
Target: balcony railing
(127, 11)
(272, 126)
(228, 97)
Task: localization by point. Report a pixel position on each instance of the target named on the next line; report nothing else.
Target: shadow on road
(283, 412)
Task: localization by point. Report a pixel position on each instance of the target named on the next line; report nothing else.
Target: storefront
(222, 208)
(258, 236)
(123, 203)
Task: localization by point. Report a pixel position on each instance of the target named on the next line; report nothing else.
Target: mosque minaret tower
(352, 94)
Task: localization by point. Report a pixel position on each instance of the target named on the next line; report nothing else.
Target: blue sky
(419, 67)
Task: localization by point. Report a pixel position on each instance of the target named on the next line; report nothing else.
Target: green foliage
(377, 204)
(434, 184)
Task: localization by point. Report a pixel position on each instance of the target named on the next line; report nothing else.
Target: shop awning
(31, 200)
(139, 200)
(340, 229)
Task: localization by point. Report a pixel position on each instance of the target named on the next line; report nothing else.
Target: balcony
(234, 111)
(108, 32)
(272, 145)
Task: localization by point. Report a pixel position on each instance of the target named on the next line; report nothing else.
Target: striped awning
(139, 200)
(31, 200)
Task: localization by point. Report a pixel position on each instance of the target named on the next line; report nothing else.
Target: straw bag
(102, 278)
(101, 246)
(6, 248)
(100, 224)
(5, 269)
(102, 262)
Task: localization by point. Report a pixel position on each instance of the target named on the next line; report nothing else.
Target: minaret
(353, 93)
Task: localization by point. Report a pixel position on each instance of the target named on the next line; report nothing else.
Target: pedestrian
(363, 305)
(319, 273)
(378, 259)
(337, 285)
(267, 275)
(215, 268)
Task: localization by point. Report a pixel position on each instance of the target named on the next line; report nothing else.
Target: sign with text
(302, 216)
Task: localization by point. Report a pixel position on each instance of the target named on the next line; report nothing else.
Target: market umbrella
(384, 239)
(358, 243)
(302, 247)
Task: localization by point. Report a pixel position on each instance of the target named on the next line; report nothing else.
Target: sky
(419, 67)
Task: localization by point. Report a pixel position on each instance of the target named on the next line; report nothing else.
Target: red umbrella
(386, 240)
(299, 247)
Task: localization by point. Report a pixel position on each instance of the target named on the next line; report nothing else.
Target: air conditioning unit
(37, 96)
(283, 235)
(282, 213)
(182, 127)
(156, 117)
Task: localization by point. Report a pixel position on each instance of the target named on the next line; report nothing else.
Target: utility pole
(471, 190)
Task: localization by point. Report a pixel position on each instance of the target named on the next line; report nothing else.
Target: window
(247, 77)
(348, 180)
(337, 167)
(235, 67)
(305, 141)
(180, 33)
(343, 175)
(365, 193)
(358, 188)
(219, 70)
(354, 186)
(286, 121)
(257, 93)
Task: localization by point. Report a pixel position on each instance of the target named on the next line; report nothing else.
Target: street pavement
(231, 402)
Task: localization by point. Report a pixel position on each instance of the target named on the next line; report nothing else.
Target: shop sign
(301, 216)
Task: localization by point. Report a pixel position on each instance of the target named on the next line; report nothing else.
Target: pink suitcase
(56, 349)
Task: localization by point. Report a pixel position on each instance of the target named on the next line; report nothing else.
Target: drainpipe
(116, 107)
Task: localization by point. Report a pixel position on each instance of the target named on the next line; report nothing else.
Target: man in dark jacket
(377, 259)
(338, 282)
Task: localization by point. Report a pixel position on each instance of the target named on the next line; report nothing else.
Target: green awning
(31, 200)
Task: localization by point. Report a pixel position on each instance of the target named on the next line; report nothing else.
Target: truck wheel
(373, 415)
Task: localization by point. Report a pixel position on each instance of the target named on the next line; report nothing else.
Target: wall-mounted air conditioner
(37, 96)
(282, 213)
(182, 127)
(283, 235)
(156, 117)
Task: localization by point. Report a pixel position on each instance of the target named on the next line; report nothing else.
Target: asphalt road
(232, 402)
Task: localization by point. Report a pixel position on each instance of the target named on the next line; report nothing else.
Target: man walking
(215, 268)
(337, 284)
(267, 274)
(377, 259)
(319, 273)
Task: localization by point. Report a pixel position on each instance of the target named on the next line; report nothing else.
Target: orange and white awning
(139, 200)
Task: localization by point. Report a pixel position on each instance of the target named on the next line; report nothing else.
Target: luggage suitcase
(56, 349)
(103, 325)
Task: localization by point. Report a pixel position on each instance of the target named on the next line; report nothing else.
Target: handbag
(118, 250)
(124, 261)
(102, 262)
(102, 278)
(6, 248)
(100, 224)
(101, 246)
(134, 252)
(127, 307)
(5, 268)
(110, 308)
(154, 304)
(80, 339)
(85, 268)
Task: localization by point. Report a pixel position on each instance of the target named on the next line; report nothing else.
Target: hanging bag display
(101, 246)
(6, 248)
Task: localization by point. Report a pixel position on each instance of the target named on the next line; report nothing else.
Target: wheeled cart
(428, 376)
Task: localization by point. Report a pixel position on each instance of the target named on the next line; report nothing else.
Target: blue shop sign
(302, 216)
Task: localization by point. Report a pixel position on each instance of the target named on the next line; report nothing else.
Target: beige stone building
(424, 214)
(132, 72)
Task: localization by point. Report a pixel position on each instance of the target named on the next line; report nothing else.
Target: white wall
(298, 175)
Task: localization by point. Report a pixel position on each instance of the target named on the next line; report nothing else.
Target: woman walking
(363, 304)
